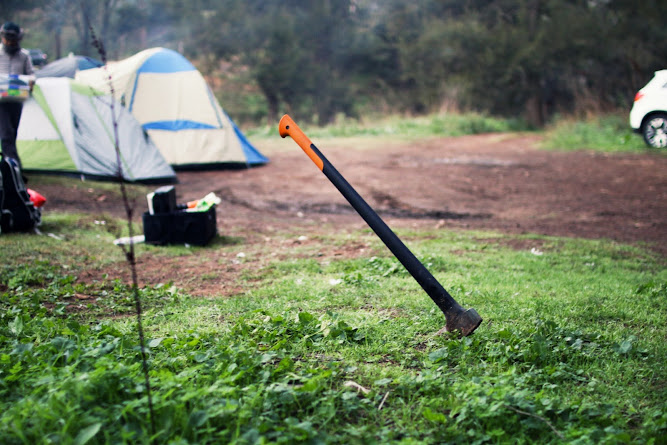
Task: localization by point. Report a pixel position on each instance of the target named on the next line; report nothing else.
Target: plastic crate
(180, 227)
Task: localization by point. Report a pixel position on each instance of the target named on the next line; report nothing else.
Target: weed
(341, 351)
(608, 133)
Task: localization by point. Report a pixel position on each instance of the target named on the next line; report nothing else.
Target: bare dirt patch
(498, 182)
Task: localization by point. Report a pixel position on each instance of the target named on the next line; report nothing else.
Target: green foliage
(446, 124)
(340, 351)
(317, 60)
(610, 133)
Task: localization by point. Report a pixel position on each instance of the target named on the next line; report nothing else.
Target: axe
(465, 321)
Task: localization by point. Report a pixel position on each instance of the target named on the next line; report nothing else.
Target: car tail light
(638, 96)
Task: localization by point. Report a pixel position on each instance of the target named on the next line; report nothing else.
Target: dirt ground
(501, 182)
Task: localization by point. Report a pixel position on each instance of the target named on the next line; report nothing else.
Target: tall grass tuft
(607, 133)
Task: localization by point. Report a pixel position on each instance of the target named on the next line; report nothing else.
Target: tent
(68, 66)
(68, 128)
(173, 103)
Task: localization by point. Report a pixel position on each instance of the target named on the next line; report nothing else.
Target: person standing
(13, 61)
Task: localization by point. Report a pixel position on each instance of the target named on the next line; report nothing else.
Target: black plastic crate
(162, 200)
(180, 227)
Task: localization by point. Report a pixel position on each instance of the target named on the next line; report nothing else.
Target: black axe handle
(457, 318)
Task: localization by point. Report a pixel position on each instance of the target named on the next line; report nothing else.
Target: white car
(649, 112)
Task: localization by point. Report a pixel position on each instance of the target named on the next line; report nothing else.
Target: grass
(322, 350)
(397, 128)
(319, 350)
(605, 133)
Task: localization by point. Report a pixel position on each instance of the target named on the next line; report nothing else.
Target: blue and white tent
(68, 66)
(173, 103)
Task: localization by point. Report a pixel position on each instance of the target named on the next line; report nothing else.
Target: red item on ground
(37, 199)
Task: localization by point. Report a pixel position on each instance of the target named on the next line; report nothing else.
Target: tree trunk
(534, 111)
(273, 102)
(58, 44)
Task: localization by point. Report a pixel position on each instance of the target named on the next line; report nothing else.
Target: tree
(9, 9)
(524, 57)
(92, 16)
(56, 14)
(530, 58)
(297, 51)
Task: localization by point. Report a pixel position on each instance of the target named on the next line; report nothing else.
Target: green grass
(315, 349)
(450, 124)
(384, 132)
(607, 133)
(604, 133)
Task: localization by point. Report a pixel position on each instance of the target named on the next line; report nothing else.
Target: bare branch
(543, 419)
(129, 252)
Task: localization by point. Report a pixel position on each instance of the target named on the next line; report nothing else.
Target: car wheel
(655, 131)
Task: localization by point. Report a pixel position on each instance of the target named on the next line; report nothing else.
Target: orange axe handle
(287, 127)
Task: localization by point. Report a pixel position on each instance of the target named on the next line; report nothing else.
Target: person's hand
(31, 84)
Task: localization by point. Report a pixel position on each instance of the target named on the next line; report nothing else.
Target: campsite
(296, 313)
(465, 245)
(185, 129)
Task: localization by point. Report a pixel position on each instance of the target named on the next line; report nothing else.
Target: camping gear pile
(161, 114)
(19, 206)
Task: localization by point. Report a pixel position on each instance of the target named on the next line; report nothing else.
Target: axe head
(464, 321)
